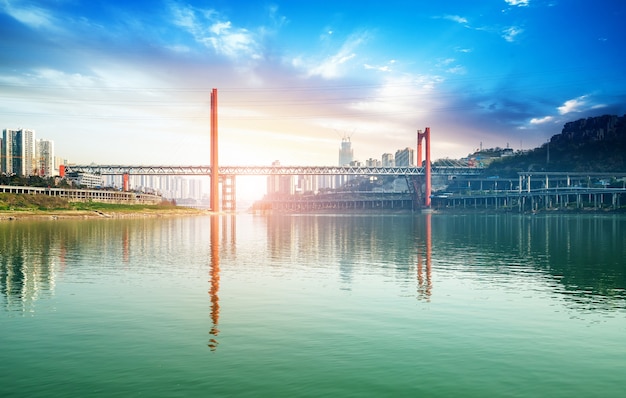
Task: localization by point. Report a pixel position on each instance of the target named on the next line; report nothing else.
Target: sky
(129, 82)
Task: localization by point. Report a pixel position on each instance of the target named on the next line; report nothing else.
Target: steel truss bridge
(269, 170)
(227, 174)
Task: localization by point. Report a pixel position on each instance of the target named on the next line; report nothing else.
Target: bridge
(269, 170)
(226, 174)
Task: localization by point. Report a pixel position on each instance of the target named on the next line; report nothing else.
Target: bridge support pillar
(428, 183)
(215, 183)
(229, 193)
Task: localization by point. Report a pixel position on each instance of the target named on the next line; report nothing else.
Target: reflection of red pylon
(215, 281)
(426, 136)
(126, 245)
(425, 289)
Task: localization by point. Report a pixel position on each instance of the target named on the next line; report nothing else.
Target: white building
(45, 158)
(86, 180)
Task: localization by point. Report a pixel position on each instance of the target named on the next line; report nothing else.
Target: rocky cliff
(595, 144)
(590, 130)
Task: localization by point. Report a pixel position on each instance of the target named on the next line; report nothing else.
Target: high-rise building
(405, 157)
(280, 185)
(45, 158)
(308, 183)
(388, 160)
(18, 152)
(371, 162)
(346, 154)
(58, 160)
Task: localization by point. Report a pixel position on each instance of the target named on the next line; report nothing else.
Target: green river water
(437, 305)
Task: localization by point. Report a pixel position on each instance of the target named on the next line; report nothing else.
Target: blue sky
(119, 82)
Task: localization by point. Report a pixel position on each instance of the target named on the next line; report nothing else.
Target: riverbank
(42, 207)
(14, 215)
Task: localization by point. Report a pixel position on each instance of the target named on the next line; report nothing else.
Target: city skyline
(121, 83)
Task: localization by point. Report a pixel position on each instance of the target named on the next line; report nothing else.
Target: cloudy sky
(128, 82)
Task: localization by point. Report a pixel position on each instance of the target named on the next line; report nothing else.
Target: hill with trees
(595, 144)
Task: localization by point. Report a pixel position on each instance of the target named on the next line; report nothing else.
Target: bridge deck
(266, 170)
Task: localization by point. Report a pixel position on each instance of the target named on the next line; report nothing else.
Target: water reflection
(215, 281)
(26, 275)
(581, 257)
(424, 287)
(400, 245)
(228, 235)
(34, 255)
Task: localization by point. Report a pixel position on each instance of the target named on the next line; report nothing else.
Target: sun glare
(251, 188)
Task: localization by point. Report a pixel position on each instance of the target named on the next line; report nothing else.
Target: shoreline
(16, 215)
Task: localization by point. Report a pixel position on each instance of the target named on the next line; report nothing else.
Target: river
(435, 305)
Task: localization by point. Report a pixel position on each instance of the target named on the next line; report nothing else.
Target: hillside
(595, 144)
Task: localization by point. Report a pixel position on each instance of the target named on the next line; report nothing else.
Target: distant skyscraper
(346, 154)
(18, 152)
(373, 162)
(45, 158)
(388, 160)
(280, 185)
(405, 157)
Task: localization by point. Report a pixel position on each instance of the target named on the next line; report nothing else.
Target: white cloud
(32, 16)
(334, 65)
(572, 105)
(384, 68)
(208, 29)
(277, 20)
(456, 18)
(402, 96)
(457, 70)
(511, 33)
(331, 67)
(445, 62)
(233, 43)
(518, 3)
(220, 28)
(541, 120)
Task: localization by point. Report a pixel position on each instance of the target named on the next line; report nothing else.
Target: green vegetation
(10, 201)
(590, 157)
(33, 181)
(104, 207)
(27, 202)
